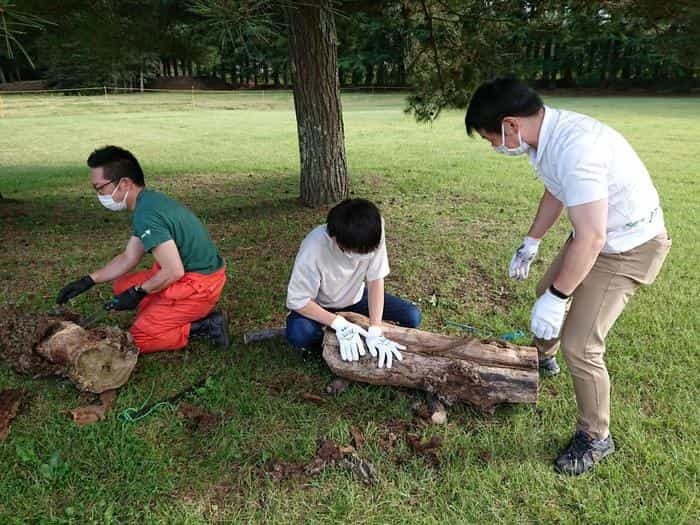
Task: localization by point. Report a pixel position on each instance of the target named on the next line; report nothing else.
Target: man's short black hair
(356, 225)
(499, 98)
(117, 163)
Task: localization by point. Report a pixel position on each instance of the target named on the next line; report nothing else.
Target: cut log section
(481, 372)
(95, 360)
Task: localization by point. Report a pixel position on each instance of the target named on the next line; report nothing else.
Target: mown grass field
(455, 211)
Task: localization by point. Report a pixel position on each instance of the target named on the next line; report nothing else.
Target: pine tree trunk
(481, 372)
(314, 55)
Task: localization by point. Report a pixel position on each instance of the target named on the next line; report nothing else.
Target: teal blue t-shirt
(158, 218)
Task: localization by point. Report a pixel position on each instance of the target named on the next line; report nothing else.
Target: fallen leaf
(428, 449)
(11, 402)
(358, 437)
(317, 400)
(93, 413)
(328, 450)
(433, 444)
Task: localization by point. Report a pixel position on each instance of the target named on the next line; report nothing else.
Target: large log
(481, 372)
(95, 360)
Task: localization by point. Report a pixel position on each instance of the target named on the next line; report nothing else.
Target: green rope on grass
(132, 415)
(508, 336)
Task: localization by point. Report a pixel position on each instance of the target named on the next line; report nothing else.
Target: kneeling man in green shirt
(176, 297)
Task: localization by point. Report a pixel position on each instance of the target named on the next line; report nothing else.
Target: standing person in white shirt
(618, 243)
(334, 262)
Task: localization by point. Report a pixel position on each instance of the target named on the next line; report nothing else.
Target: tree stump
(481, 372)
(95, 360)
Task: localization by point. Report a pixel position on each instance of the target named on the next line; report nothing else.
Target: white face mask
(521, 148)
(108, 200)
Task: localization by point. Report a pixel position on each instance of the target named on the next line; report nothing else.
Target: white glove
(348, 334)
(377, 344)
(548, 316)
(521, 261)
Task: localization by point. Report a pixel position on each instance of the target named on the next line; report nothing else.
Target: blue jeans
(303, 332)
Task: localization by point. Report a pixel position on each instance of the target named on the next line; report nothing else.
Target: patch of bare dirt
(199, 420)
(328, 454)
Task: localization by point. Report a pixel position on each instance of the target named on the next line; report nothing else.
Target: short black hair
(118, 163)
(499, 98)
(356, 225)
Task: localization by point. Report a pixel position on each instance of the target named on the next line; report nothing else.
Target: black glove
(127, 300)
(74, 289)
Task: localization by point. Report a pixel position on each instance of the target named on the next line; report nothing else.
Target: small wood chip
(313, 398)
(358, 437)
(93, 413)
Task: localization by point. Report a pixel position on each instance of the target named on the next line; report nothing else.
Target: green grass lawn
(455, 211)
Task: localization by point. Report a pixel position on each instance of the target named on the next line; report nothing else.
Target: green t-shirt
(158, 218)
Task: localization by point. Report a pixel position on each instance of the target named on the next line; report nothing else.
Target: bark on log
(481, 372)
(95, 360)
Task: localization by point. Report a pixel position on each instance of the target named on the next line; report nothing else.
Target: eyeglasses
(99, 188)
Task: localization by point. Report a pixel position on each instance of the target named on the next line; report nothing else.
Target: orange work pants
(163, 319)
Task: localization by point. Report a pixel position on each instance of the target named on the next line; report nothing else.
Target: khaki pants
(595, 305)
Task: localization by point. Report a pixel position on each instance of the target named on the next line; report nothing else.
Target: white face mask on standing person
(522, 147)
(108, 200)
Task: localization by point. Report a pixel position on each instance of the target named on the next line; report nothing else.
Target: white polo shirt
(582, 160)
(325, 274)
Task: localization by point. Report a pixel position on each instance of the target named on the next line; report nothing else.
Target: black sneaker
(583, 453)
(215, 327)
(549, 367)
